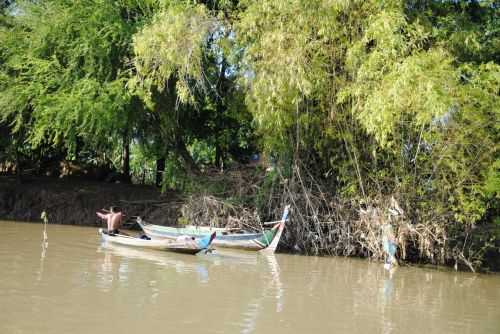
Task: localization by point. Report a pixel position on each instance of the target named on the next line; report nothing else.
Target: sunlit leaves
(172, 47)
(382, 72)
(288, 56)
(422, 85)
(66, 64)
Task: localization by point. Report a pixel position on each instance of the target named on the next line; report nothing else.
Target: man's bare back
(113, 219)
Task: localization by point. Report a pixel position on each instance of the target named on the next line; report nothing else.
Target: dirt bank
(74, 201)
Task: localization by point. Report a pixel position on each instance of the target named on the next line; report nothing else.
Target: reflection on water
(83, 286)
(274, 270)
(119, 256)
(45, 246)
(388, 284)
(272, 288)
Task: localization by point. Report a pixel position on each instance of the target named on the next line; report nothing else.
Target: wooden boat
(230, 238)
(182, 244)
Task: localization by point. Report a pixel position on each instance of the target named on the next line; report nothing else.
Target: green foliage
(492, 182)
(172, 46)
(142, 164)
(202, 153)
(392, 98)
(65, 64)
(181, 72)
(175, 176)
(285, 63)
(262, 198)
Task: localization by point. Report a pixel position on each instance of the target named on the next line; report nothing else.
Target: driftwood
(209, 211)
(324, 224)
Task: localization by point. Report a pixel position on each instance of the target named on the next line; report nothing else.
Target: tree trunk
(189, 163)
(78, 148)
(219, 157)
(126, 157)
(19, 171)
(160, 169)
(220, 109)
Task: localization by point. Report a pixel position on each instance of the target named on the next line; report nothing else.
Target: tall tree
(183, 73)
(66, 66)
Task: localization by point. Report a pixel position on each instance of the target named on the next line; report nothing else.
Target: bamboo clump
(322, 223)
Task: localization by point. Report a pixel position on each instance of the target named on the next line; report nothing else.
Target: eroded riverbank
(74, 202)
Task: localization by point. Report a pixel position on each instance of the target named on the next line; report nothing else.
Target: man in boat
(113, 218)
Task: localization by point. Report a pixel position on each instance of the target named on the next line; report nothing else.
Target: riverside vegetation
(361, 110)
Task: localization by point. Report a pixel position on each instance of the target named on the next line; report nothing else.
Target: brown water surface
(79, 285)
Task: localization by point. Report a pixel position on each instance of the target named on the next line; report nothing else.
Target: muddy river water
(80, 285)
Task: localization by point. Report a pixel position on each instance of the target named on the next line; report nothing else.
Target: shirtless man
(113, 219)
